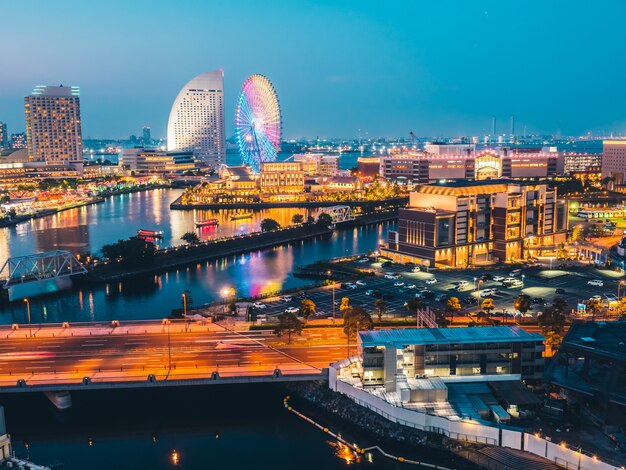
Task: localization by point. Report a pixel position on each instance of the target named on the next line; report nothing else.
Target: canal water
(86, 229)
(213, 427)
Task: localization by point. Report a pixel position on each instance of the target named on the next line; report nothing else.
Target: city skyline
(429, 69)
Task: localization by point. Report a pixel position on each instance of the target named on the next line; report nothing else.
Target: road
(196, 353)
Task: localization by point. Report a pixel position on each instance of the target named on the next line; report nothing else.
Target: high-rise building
(196, 120)
(147, 137)
(53, 127)
(18, 141)
(614, 160)
(4, 138)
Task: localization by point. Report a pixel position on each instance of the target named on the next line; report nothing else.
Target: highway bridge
(155, 354)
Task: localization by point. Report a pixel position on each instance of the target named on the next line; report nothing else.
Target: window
(476, 370)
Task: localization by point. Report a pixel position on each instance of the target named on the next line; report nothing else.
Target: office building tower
(614, 161)
(196, 121)
(18, 141)
(4, 138)
(147, 137)
(53, 127)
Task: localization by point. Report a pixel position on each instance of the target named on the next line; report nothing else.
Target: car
(441, 298)
(469, 300)
(362, 260)
(389, 276)
(595, 297)
(488, 292)
(398, 284)
(286, 298)
(511, 279)
(360, 283)
(596, 282)
(515, 272)
(259, 305)
(559, 290)
(386, 263)
(431, 280)
(411, 286)
(292, 310)
(610, 297)
(369, 292)
(350, 285)
(415, 269)
(497, 278)
(538, 300)
(486, 277)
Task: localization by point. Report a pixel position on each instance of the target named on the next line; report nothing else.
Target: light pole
(478, 297)
(30, 329)
(523, 276)
(185, 304)
(333, 288)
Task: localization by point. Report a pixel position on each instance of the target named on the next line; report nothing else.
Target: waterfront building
(18, 140)
(4, 138)
(424, 167)
(318, 164)
(343, 183)
(99, 170)
(196, 122)
(389, 355)
(614, 161)
(53, 125)
(147, 137)
(237, 179)
(282, 177)
(368, 168)
(472, 222)
(147, 161)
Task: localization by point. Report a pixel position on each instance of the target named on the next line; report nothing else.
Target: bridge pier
(61, 400)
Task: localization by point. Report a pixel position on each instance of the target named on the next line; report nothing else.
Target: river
(87, 229)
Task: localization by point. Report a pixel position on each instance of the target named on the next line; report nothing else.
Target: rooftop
(423, 336)
(606, 339)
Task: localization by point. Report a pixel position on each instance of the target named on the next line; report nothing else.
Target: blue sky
(385, 67)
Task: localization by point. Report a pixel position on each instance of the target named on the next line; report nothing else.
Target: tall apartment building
(53, 125)
(581, 162)
(18, 141)
(614, 160)
(390, 355)
(473, 222)
(282, 177)
(147, 136)
(196, 121)
(4, 138)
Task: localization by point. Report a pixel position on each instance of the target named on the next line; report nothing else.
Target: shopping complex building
(465, 223)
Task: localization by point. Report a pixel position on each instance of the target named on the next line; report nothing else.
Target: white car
(515, 272)
(498, 278)
(432, 280)
(398, 284)
(415, 269)
(596, 297)
(488, 292)
(286, 298)
(411, 286)
(369, 292)
(259, 305)
(361, 283)
(389, 276)
(292, 310)
(596, 282)
(351, 286)
(363, 260)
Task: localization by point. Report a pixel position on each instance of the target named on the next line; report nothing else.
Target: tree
(191, 237)
(132, 252)
(12, 213)
(381, 308)
(453, 305)
(297, 219)
(522, 304)
(345, 305)
(560, 305)
(289, 323)
(267, 225)
(487, 304)
(324, 220)
(593, 306)
(552, 323)
(307, 308)
(356, 319)
(310, 220)
(412, 305)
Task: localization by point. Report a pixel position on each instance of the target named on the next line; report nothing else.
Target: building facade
(282, 177)
(368, 168)
(53, 125)
(579, 163)
(475, 222)
(145, 161)
(196, 122)
(18, 141)
(614, 160)
(318, 164)
(387, 355)
(4, 138)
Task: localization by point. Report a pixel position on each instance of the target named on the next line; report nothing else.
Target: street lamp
(333, 287)
(185, 304)
(478, 297)
(523, 276)
(30, 329)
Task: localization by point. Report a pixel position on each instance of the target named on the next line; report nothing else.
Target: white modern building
(614, 160)
(53, 126)
(196, 122)
(148, 161)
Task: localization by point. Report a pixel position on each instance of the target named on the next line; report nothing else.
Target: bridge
(153, 354)
(38, 267)
(337, 213)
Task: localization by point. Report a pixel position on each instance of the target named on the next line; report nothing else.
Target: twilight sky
(387, 67)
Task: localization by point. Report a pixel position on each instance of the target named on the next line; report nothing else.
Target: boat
(206, 223)
(143, 233)
(241, 215)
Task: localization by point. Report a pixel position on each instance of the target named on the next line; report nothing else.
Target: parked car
(415, 269)
(469, 300)
(259, 305)
(360, 283)
(441, 298)
(596, 297)
(498, 278)
(350, 285)
(431, 280)
(559, 290)
(292, 310)
(596, 282)
(363, 260)
(538, 300)
(411, 286)
(488, 292)
(389, 276)
(398, 284)
(386, 263)
(515, 272)
(286, 298)
(369, 292)
(486, 277)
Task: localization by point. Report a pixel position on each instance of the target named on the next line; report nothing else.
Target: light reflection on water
(87, 229)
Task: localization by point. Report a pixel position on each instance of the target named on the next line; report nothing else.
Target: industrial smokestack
(493, 125)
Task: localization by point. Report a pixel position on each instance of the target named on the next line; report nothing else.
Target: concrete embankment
(177, 257)
(178, 205)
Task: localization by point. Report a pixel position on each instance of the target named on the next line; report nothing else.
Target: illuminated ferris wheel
(257, 122)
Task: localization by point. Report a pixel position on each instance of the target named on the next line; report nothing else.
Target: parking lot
(540, 284)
